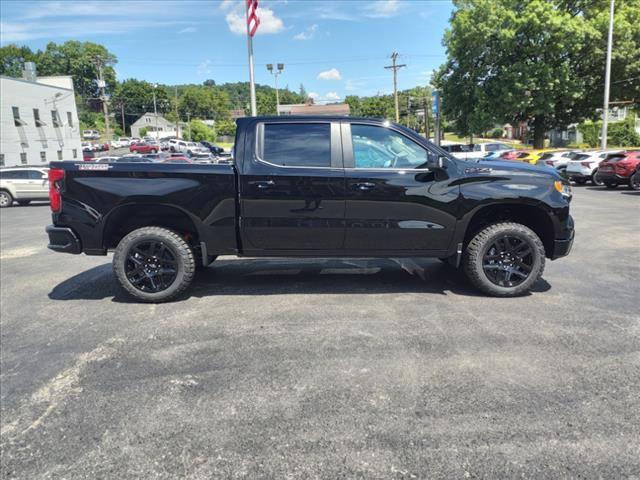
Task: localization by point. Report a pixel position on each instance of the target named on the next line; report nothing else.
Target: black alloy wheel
(634, 181)
(508, 261)
(151, 266)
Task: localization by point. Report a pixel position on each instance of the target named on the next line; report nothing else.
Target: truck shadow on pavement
(278, 276)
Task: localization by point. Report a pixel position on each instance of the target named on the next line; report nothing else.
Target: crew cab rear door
(394, 203)
(292, 187)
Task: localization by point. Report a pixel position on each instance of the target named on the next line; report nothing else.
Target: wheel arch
(535, 217)
(126, 218)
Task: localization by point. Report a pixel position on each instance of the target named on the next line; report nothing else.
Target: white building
(150, 122)
(38, 120)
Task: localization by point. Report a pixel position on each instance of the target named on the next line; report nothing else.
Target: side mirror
(435, 163)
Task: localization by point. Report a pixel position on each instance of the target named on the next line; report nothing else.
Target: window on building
(55, 119)
(17, 121)
(75, 153)
(69, 119)
(36, 117)
(43, 156)
(59, 154)
(379, 147)
(23, 158)
(1, 159)
(283, 144)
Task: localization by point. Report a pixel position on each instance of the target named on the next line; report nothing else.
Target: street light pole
(607, 80)
(280, 67)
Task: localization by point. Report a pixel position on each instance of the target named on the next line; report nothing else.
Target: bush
(496, 133)
(226, 128)
(623, 134)
(590, 132)
(143, 132)
(200, 131)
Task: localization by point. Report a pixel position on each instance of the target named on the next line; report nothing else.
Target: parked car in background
(23, 185)
(583, 167)
(557, 159)
(90, 134)
(634, 181)
(125, 159)
(107, 159)
(617, 168)
(122, 142)
(213, 148)
(510, 155)
(88, 155)
(144, 147)
(529, 156)
(156, 157)
(475, 150)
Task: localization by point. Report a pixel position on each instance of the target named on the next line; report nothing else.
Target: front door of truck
(292, 190)
(394, 203)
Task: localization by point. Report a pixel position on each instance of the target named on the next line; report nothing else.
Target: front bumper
(562, 246)
(63, 239)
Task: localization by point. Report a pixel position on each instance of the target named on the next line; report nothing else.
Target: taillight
(56, 176)
(585, 164)
(549, 162)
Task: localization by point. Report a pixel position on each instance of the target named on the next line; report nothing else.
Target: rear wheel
(504, 259)
(154, 264)
(596, 180)
(6, 200)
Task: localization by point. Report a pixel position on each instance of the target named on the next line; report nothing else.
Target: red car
(143, 148)
(617, 168)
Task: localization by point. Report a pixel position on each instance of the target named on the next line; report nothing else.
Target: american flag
(253, 21)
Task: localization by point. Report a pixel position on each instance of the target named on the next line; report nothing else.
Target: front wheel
(504, 259)
(6, 200)
(634, 181)
(154, 264)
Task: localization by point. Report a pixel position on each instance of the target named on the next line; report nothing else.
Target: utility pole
(607, 80)
(124, 130)
(103, 97)
(189, 124)
(275, 74)
(155, 111)
(395, 67)
(175, 108)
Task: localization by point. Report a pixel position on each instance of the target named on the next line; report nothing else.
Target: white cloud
(307, 34)
(329, 97)
(314, 95)
(269, 23)
(383, 8)
(332, 74)
(204, 68)
(332, 96)
(188, 30)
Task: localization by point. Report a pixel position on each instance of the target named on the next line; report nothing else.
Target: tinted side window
(35, 174)
(297, 144)
(16, 174)
(379, 147)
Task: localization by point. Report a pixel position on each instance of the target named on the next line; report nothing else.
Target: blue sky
(335, 48)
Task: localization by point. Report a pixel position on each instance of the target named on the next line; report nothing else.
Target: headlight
(563, 188)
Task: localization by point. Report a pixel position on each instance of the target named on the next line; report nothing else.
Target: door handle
(364, 186)
(264, 185)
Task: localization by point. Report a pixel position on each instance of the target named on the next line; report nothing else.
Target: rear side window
(297, 144)
(15, 174)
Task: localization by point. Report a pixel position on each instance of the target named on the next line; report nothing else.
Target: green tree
(80, 60)
(12, 59)
(204, 102)
(540, 61)
(199, 132)
(226, 127)
(136, 96)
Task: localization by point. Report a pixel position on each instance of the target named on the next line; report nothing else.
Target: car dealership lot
(307, 368)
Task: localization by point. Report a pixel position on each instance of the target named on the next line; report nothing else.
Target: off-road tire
(6, 200)
(472, 259)
(180, 249)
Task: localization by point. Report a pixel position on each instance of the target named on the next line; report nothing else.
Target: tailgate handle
(263, 185)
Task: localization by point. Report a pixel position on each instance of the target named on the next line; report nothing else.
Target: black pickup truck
(314, 187)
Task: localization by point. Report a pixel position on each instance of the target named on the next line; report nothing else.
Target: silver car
(22, 184)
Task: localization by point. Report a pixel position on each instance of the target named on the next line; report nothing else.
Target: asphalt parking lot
(289, 368)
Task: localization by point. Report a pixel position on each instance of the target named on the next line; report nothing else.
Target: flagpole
(252, 85)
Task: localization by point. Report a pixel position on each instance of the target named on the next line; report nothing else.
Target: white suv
(23, 185)
(584, 166)
(190, 148)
